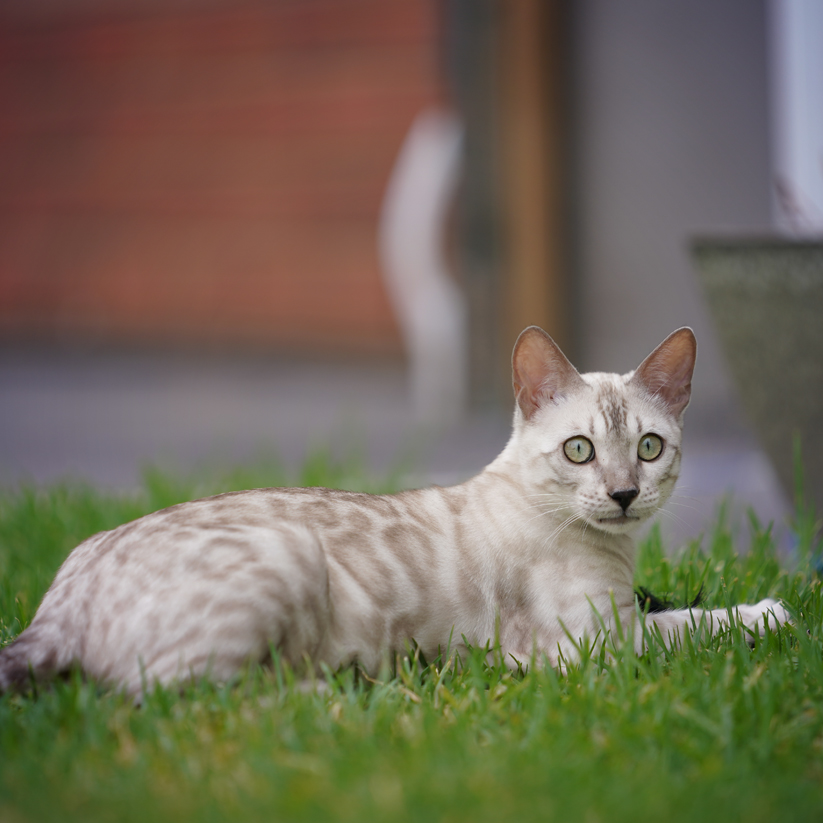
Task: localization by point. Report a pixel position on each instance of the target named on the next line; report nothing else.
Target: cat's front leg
(674, 624)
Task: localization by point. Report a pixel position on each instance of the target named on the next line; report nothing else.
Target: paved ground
(103, 416)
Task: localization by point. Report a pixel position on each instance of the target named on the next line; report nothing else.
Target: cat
(534, 552)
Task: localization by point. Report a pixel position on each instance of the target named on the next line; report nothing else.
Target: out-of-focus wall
(201, 171)
(671, 140)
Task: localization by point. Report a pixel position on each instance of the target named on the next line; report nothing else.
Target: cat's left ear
(667, 372)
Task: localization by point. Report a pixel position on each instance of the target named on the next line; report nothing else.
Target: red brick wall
(210, 173)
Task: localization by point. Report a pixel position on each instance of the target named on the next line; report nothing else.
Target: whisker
(677, 496)
(683, 506)
(556, 533)
(545, 513)
(543, 503)
(679, 520)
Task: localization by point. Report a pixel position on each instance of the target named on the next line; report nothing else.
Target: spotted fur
(533, 551)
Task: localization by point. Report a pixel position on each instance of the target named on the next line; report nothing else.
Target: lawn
(708, 731)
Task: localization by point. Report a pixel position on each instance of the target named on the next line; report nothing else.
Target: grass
(709, 731)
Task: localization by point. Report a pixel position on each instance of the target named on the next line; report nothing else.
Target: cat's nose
(624, 497)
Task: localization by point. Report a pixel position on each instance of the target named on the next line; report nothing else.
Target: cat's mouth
(620, 519)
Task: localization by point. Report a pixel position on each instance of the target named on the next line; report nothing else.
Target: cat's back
(230, 521)
(246, 532)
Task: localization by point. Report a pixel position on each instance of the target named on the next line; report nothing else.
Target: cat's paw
(755, 616)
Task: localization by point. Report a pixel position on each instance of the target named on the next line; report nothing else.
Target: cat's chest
(563, 585)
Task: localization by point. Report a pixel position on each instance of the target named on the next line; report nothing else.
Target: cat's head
(602, 448)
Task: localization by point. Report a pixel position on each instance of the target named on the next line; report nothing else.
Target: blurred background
(231, 228)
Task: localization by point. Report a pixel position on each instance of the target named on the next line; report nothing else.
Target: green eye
(650, 447)
(578, 449)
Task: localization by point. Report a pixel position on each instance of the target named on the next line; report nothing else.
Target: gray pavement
(104, 415)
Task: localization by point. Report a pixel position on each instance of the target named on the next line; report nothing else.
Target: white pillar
(429, 305)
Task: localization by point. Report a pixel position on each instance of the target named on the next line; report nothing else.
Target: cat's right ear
(541, 373)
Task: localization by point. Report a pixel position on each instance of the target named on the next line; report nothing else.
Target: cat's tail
(32, 656)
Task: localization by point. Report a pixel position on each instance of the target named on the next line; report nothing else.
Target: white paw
(754, 617)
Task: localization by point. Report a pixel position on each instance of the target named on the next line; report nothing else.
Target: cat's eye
(650, 447)
(579, 449)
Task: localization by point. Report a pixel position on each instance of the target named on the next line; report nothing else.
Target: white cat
(531, 550)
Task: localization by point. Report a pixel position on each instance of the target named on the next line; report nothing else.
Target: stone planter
(766, 299)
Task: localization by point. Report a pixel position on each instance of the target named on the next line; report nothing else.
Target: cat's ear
(540, 371)
(667, 372)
